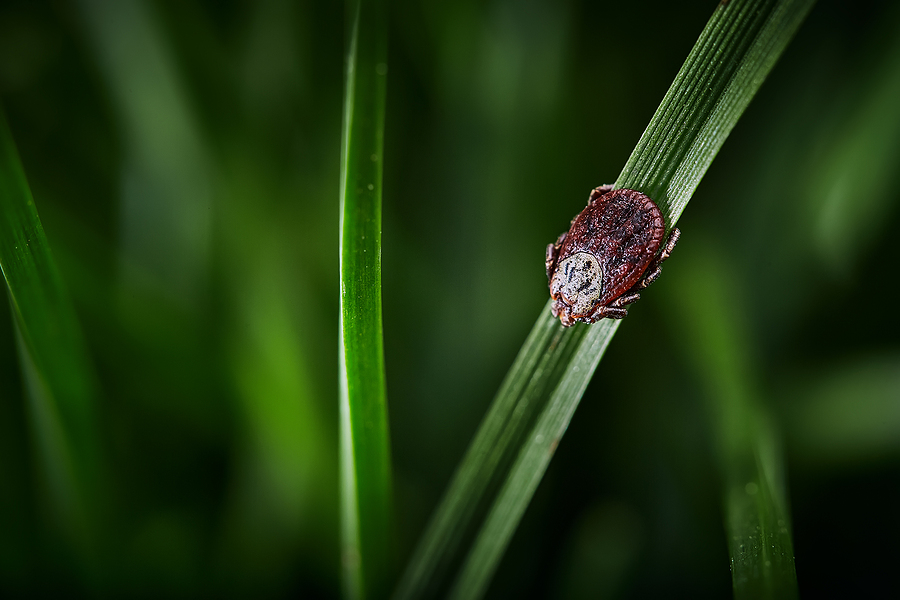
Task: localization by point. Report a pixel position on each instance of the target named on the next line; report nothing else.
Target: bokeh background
(184, 161)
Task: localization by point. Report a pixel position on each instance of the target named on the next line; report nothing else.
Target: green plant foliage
(850, 415)
(747, 446)
(184, 158)
(850, 179)
(365, 460)
(61, 386)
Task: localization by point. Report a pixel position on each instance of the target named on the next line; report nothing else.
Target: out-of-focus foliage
(184, 156)
(60, 384)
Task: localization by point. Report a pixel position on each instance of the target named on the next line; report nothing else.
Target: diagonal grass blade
(745, 439)
(58, 376)
(533, 407)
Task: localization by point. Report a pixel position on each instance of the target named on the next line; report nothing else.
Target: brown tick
(612, 251)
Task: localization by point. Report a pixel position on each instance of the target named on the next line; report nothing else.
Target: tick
(612, 251)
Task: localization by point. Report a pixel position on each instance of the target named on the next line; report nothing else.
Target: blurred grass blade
(166, 188)
(512, 448)
(746, 443)
(851, 188)
(365, 455)
(54, 359)
(844, 414)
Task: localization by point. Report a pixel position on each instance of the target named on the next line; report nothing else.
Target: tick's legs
(654, 269)
(558, 309)
(553, 254)
(625, 299)
(597, 192)
(550, 260)
(608, 312)
(673, 238)
(648, 278)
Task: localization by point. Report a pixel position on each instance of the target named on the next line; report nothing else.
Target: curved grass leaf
(57, 373)
(746, 441)
(530, 413)
(365, 456)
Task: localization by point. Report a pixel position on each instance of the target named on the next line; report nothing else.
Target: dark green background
(200, 247)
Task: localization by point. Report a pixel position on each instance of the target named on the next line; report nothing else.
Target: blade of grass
(533, 407)
(365, 453)
(851, 188)
(57, 373)
(757, 519)
(166, 187)
(746, 442)
(845, 413)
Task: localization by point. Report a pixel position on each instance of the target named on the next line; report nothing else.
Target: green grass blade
(745, 440)
(165, 179)
(845, 413)
(850, 189)
(757, 519)
(365, 455)
(512, 448)
(54, 358)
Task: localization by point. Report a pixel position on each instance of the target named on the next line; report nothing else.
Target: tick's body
(612, 251)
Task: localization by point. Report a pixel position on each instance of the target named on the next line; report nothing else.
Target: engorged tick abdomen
(623, 229)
